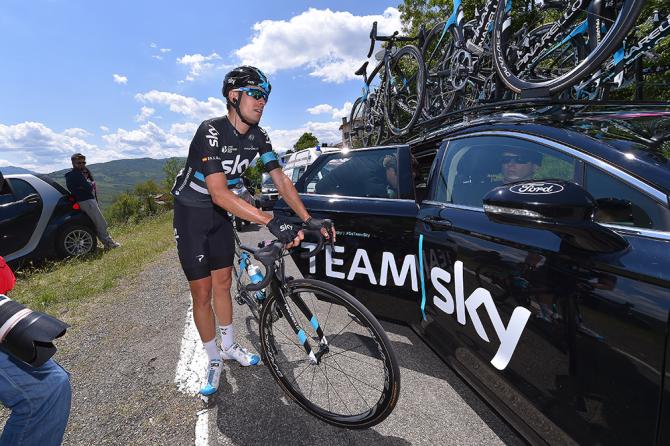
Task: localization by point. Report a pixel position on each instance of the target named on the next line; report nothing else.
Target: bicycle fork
(315, 358)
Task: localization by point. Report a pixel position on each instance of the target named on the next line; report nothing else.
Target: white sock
(212, 351)
(227, 338)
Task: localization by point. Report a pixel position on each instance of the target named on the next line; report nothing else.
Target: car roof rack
(531, 109)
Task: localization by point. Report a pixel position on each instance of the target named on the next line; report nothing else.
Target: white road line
(190, 369)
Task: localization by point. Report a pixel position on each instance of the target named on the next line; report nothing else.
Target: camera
(28, 335)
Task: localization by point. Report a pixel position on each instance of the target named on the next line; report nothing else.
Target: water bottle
(256, 276)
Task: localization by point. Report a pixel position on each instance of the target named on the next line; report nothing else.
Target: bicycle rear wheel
(404, 89)
(537, 66)
(356, 382)
(436, 52)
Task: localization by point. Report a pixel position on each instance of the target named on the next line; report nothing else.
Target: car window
(21, 188)
(473, 166)
(622, 204)
(355, 174)
(297, 173)
(6, 195)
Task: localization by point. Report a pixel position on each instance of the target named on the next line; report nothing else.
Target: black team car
(530, 250)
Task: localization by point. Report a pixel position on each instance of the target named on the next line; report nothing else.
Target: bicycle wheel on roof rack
(437, 51)
(404, 90)
(536, 70)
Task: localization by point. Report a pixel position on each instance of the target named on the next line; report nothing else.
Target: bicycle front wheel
(404, 89)
(356, 382)
(540, 65)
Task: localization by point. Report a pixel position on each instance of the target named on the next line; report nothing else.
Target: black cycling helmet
(243, 76)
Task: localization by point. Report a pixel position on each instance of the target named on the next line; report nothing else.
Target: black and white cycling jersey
(218, 147)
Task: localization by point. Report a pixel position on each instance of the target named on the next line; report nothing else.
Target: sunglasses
(517, 159)
(255, 93)
(80, 162)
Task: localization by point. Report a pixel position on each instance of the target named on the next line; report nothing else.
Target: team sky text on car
(508, 335)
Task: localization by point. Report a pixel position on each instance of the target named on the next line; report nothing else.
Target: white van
(299, 161)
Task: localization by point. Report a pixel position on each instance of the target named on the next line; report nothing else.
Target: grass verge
(60, 284)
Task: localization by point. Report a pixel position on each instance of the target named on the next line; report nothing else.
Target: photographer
(39, 397)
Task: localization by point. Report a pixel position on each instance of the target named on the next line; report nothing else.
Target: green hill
(114, 177)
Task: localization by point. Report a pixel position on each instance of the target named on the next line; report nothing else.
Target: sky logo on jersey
(213, 136)
(234, 166)
(465, 307)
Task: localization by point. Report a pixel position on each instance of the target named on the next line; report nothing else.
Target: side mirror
(559, 206)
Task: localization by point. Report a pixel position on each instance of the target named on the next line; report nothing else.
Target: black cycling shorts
(205, 239)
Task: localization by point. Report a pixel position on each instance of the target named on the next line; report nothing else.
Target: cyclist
(220, 152)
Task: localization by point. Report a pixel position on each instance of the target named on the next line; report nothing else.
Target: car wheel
(76, 241)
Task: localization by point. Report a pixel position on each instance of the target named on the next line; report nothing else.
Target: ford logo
(536, 188)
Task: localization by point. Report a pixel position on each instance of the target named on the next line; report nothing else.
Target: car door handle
(437, 222)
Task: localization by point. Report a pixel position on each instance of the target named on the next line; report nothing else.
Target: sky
(131, 79)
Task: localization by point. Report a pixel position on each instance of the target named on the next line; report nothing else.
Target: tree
(171, 170)
(306, 141)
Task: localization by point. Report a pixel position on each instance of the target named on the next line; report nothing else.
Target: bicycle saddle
(361, 71)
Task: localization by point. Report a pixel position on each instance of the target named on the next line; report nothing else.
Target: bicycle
(458, 59)
(538, 68)
(613, 74)
(398, 98)
(294, 317)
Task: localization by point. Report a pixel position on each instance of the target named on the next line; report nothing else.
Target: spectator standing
(81, 184)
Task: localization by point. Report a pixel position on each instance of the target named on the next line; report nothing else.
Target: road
(136, 364)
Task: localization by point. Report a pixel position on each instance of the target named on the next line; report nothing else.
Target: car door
(20, 211)
(375, 255)
(554, 337)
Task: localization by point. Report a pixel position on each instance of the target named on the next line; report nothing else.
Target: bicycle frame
(277, 286)
(623, 59)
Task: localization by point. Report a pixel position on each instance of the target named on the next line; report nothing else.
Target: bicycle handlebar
(392, 38)
(268, 254)
(373, 37)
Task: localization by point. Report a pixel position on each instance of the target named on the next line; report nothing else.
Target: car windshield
(268, 181)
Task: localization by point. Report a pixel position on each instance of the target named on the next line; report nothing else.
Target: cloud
(185, 105)
(149, 140)
(76, 132)
(104, 128)
(161, 50)
(145, 113)
(324, 131)
(331, 44)
(198, 64)
(119, 79)
(35, 146)
(336, 113)
(184, 128)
